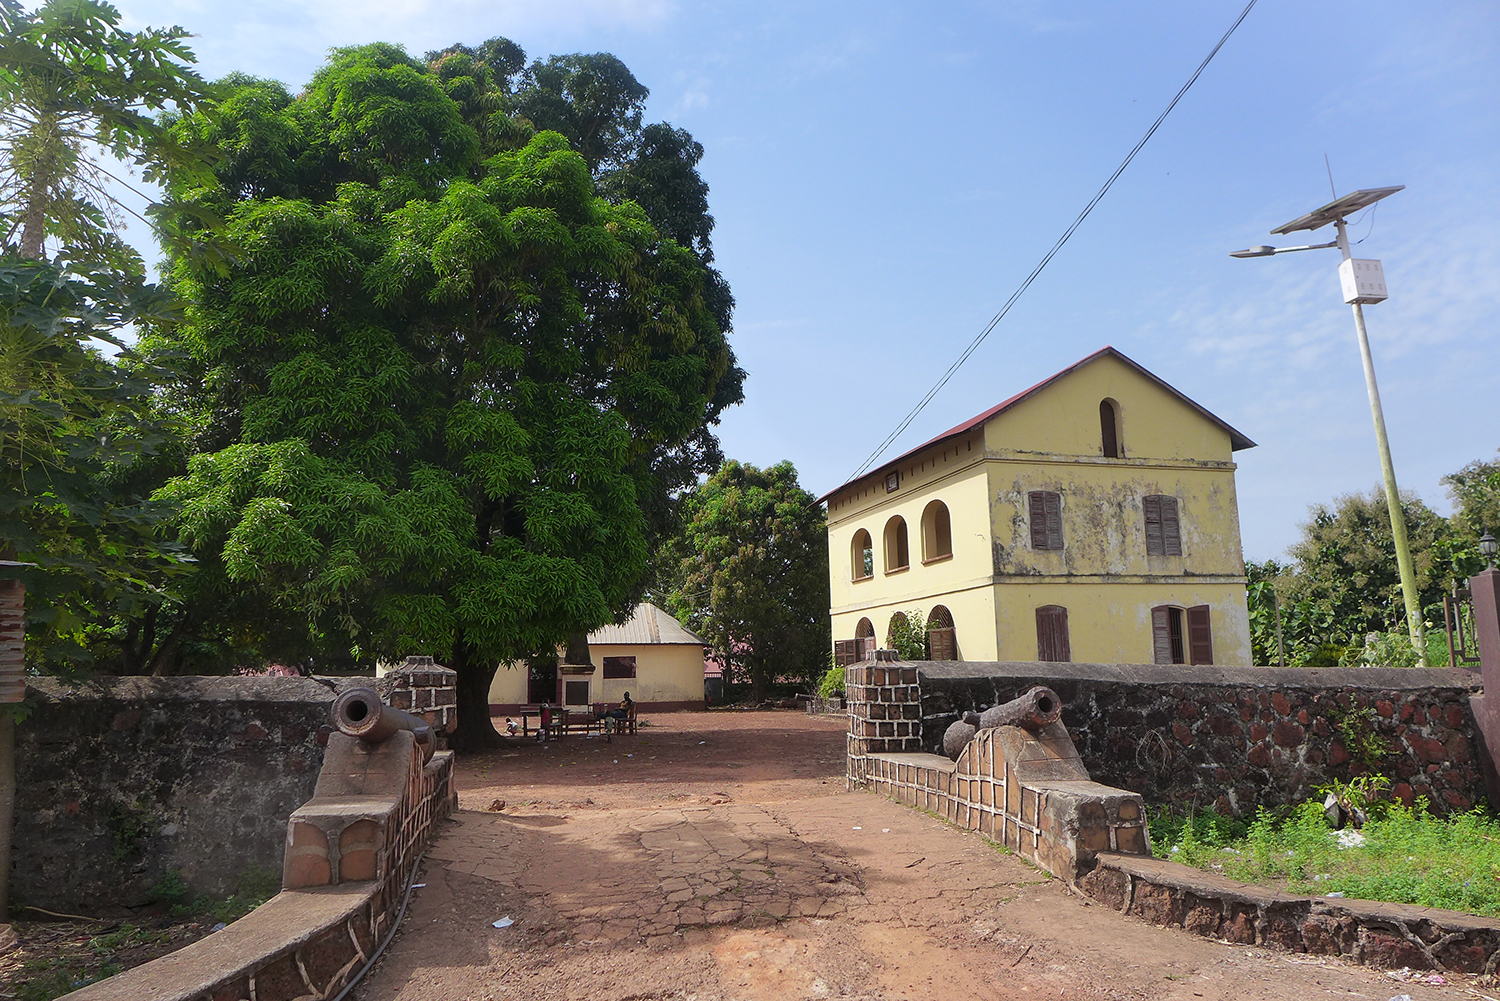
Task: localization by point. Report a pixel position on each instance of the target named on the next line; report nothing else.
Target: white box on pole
(1363, 281)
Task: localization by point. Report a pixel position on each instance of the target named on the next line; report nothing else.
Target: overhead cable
(974, 344)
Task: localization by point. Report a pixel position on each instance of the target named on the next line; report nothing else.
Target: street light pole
(1356, 293)
(1409, 595)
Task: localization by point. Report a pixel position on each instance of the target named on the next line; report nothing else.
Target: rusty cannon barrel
(359, 712)
(1032, 711)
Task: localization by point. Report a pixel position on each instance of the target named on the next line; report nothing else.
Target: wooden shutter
(865, 648)
(942, 643)
(1200, 635)
(1052, 634)
(845, 653)
(1046, 519)
(1038, 519)
(1171, 535)
(1152, 508)
(1161, 634)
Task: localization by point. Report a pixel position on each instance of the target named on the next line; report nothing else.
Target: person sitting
(511, 727)
(627, 706)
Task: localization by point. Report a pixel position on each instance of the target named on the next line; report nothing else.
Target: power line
(974, 344)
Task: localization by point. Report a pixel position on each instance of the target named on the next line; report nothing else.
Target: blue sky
(885, 174)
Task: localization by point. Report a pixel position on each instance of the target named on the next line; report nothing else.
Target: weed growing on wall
(1357, 728)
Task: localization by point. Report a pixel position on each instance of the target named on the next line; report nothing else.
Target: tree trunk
(34, 212)
(7, 803)
(475, 730)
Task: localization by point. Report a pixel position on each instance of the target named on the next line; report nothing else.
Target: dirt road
(718, 856)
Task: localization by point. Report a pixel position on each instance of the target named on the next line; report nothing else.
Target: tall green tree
(749, 572)
(446, 383)
(1346, 563)
(71, 81)
(1475, 490)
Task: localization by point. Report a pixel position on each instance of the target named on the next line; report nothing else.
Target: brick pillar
(1485, 587)
(885, 711)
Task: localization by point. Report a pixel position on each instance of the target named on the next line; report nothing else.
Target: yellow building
(1090, 518)
(651, 656)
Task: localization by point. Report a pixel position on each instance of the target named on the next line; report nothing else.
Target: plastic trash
(859, 828)
(1336, 894)
(504, 923)
(1401, 997)
(418, 886)
(885, 830)
(218, 927)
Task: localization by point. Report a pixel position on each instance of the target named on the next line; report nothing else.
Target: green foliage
(1408, 856)
(253, 887)
(832, 684)
(1357, 729)
(749, 573)
(1360, 793)
(446, 391)
(75, 428)
(908, 634)
(1395, 649)
(71, 80)
(1475, 490)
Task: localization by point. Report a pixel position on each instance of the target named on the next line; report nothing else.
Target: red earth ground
(719, 856)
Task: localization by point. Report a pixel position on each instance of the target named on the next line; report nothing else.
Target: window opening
(1046, 519)
(862, 556)
(897, 551)
(619, 667)
(1182, 635)
(937, 532)
(1109, 428)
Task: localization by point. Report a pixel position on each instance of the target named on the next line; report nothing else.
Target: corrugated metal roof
(646, 625)
(1237, 441)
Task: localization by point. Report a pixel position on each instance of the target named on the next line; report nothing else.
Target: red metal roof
(1237, 441)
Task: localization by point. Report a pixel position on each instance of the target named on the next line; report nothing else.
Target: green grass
(1409, 856)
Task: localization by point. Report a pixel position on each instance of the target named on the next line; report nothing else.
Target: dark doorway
(541, 682)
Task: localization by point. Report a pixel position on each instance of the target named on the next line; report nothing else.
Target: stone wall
(1234, 739)
(122, 780)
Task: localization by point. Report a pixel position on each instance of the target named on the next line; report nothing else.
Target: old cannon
(359, 713)
(1032, 711)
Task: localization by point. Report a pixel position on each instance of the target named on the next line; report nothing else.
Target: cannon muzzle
(360, 713)
(1032, 711)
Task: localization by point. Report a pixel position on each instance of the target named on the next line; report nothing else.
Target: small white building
(651, 656)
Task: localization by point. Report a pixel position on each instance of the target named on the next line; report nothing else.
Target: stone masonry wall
(1234, 739)
(125, 779)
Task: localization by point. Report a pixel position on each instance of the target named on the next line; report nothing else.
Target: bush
(832, 684)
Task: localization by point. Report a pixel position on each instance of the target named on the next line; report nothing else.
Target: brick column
(885, 711)
(426, 689)
(1485, 587)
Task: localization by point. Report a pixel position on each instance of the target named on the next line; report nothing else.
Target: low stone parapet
(1365, 931)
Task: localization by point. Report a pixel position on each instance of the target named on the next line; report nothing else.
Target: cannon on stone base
(1037, 708)
(359, 713)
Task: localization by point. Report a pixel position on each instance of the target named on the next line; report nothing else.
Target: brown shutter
(1054, 521)
(1200, 635)
(845, 653)
(865, 648)
(1171, 536)
(1052, 634)
(942, 643)
(1161, 634)
(1038, 519)
(1152, 508)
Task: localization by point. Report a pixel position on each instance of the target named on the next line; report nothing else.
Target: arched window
(864, 640)
(897, 552)
(1109, 428)
(862, 556)
(942, 639)
(1052, 634)
(937, 532)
